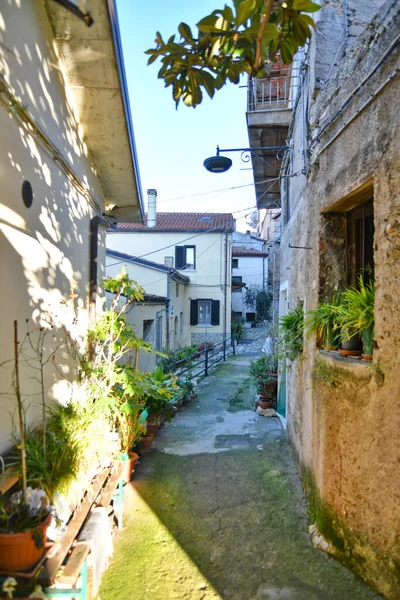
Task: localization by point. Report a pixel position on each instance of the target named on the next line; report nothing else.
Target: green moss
(243, 398)
(332, 376)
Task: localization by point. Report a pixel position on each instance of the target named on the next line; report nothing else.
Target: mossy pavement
(216, 510)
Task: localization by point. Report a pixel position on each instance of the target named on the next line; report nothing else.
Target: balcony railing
(278, 91)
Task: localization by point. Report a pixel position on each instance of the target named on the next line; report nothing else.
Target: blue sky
(172, 144)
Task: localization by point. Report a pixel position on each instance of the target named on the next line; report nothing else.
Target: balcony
(276, 93)
(269, 110)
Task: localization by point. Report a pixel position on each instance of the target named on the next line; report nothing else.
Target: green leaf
(306, 20)
(286, 53)
(152, 59)
(159, 39)
(271, 32)
(208, 24)
(185, 32)
(207, 81)
(244, 11)
(305, 5)
(228, 13)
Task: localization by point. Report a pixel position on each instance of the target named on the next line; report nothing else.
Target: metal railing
(203, 361)
(277, 91)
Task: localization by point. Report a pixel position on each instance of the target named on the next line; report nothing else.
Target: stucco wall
(156, 282)
(254, 271)
(44, 249)
(206, 281)
(344, 417)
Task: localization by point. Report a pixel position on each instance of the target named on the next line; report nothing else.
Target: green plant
(261, 370)
(259, 300)
(357, 313)
(230, 42)
(324, 321)
(19, 515)
(186, 387)
(237, 330)
(173, 359)
(291, 333)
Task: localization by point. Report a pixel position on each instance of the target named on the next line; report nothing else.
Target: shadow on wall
(44, 235)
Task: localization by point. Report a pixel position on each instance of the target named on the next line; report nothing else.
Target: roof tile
(218, 222)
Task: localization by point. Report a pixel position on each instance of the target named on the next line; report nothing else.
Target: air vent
(27, 194)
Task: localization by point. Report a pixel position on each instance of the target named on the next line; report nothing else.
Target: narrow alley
(216, 509)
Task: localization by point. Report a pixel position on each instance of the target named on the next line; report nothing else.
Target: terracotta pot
(146, 441)
(128, 466)
(366, 356)
(270, 388)
(152, 428)
(344, 352)
(18, 551)
(265, 404)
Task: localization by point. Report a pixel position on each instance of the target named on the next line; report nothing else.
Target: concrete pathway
(216, 510)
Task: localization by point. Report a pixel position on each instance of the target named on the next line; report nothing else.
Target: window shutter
(179, 257)
(193, 312)
(215, 312)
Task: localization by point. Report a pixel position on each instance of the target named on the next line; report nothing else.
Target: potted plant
(357, 315)
(23, 525)
(266, 380)
(291, 333)
(323, 321)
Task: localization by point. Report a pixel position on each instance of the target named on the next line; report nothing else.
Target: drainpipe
(225, 286)
(167, 307)
(93, 263)
(264, 257)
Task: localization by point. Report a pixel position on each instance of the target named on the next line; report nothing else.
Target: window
(181, 322)
(235, 263)
(360, 239)
(237, 284)
(185, 257)
(204, 312)
(177, 290)
(148, 330)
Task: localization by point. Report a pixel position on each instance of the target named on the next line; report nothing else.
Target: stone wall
(344, 415)
(216, 338)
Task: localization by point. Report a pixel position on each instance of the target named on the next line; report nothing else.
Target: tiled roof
(242, 251)
(145, 263)
(153, 299)
(218, 222)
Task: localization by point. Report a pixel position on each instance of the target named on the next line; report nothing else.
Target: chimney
(151, 209)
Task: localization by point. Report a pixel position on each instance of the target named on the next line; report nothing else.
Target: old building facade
(340, 214)
(58, 186)
(195, 245)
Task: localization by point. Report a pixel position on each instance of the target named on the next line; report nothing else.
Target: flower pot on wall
(351, 347)
(368, 343)
(20, 551)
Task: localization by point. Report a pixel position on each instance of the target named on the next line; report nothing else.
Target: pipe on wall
(93, 264)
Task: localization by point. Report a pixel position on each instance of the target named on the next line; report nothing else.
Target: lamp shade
(217, 164)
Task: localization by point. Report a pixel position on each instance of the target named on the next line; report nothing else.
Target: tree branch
(264, 22)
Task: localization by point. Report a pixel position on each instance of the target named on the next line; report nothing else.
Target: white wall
(206, 281)
(155, 282)
(250, 268)
(44, 249)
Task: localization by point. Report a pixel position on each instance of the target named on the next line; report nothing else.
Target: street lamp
(221, 164)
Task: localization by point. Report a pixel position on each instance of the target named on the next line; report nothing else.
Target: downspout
(264, 257)
(167, 307)
(225, 286)
(93, 263)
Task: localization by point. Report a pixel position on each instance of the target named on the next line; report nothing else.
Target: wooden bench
(60, 569)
